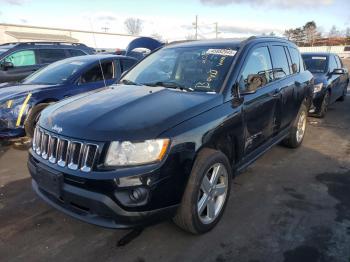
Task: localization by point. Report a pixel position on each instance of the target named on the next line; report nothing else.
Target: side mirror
(338, 71)
(7, 65)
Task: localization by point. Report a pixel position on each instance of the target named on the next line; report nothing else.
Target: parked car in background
(19, 60)
(167, 141)
(21, 103)
(331, 80)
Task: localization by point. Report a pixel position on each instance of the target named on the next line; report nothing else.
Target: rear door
(334, 79)
(259, 93)
(49, 55)
(24, 63)
(285, 84)
(343, 77)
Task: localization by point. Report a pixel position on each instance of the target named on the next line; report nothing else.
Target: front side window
(279, 61)
(191, 68)
(339, 62)
(21, 58)
(95, 73)
(332, 64)
(257, 71)
(315, 63)
(126, 64)
(51, 55)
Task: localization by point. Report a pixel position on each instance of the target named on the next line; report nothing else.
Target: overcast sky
(173, 19)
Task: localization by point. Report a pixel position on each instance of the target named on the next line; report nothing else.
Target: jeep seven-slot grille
(64, 152)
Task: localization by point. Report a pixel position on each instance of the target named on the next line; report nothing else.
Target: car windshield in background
(3, 51)
(315, 64)
(56, 73)
(187, 68)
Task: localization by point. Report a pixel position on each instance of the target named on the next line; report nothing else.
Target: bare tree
(334, 32)
(133, 26)
(288, 34)
(310, 30)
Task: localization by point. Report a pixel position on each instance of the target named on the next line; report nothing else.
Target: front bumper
(11, 133)
(316, 104)
(92, 201)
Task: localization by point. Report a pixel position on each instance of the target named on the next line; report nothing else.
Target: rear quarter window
(279, 61)
(48, 56)
(76, 52)
(296, 60)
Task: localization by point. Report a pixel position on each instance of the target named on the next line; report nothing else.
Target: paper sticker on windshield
(319, 57)
(223, 52)
(77, 63)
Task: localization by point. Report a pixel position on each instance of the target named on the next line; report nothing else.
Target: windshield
(3, 50)
(56, 73)
(315, 64)
(188, 68)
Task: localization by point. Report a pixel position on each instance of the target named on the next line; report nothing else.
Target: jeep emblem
(57, 129)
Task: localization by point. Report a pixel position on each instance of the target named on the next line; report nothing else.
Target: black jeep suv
(167, 141)
(19, 60)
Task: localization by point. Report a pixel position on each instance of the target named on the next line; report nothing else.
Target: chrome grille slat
(64, 152)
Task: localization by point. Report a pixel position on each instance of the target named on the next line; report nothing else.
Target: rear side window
(296, 58)
(51, 55)
(257, 71)
(126, 64)
(280, 62)
(76, 52)
(21, 58)
(94, 74)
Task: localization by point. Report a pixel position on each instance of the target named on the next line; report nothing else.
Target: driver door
(24, 63)
(260, 96)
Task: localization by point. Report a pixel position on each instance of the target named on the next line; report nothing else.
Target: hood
(10, 91)
(125, 112)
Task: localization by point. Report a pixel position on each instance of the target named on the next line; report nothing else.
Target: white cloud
(271, 3)
(14, 2)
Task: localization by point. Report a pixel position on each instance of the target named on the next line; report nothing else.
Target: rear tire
(32, 119)
(297, 132)
(206, 194)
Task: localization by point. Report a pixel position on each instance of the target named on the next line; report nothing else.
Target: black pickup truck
(167, 141)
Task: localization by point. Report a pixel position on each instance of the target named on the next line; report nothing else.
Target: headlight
(130, 154)
(318, 87)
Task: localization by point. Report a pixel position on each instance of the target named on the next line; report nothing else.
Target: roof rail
(42, 43)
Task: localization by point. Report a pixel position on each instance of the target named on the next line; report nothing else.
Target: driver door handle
(277, 92)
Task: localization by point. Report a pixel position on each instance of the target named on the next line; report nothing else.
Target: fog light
(138, 194)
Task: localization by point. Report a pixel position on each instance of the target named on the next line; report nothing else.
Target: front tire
(343, 97)
(324, 105)
(297, 132)
(206, 193)
(33, 118)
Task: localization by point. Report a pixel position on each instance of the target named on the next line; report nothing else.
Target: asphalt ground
(291, 205)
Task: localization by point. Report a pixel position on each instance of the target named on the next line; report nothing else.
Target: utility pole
(216, 30)
(196, 27)
(105, 29)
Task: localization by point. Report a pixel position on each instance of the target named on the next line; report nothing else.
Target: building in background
(98, 40)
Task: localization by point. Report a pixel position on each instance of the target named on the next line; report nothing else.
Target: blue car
(331, 80)
(21, 103)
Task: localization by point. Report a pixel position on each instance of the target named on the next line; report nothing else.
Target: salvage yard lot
(291, 205)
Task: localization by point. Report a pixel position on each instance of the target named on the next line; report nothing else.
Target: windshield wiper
(170, 85)
(129, 82)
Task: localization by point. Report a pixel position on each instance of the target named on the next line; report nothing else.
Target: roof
(42, 37)
(233, 43)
